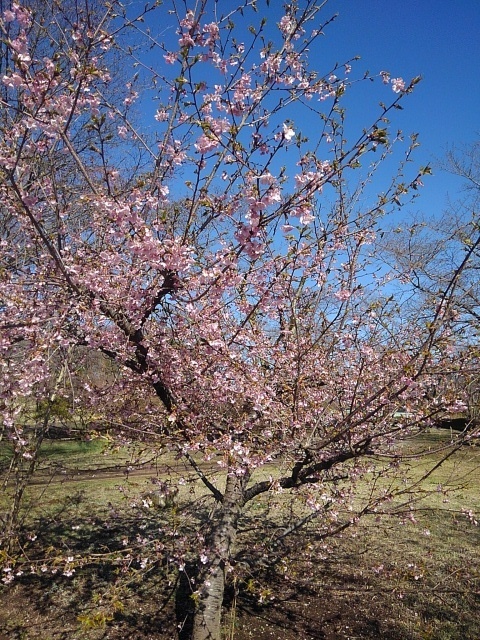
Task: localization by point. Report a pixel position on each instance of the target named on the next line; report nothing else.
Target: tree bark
(208, 613)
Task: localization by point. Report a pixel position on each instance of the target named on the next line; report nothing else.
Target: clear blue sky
(437, 39)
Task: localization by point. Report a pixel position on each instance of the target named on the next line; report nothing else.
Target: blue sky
(437, 39)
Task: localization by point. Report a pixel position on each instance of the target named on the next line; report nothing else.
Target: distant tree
(439, 257)
(220, 249)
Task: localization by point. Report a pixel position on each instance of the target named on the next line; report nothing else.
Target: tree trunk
(208, 613)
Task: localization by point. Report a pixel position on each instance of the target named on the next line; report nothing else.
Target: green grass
(407, 578)
(55, 450)
(387, 577)
(72, 456)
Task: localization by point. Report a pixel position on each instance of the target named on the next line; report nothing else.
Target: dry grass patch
(386, 578)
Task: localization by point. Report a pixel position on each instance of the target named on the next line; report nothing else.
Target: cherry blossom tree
(210, 228)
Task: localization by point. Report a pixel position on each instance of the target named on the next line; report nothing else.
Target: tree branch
(216, 493)
(302, 475)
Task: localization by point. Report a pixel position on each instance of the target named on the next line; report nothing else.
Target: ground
(409, 581)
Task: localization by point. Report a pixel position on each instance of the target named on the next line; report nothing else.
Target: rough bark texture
(207, 619)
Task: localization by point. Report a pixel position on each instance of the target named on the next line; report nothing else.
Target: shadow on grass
(113, 593)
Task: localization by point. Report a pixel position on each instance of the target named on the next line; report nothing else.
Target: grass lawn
(416, 578)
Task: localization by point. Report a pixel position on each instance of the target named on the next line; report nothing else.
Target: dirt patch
(344, 596)
(380, 580)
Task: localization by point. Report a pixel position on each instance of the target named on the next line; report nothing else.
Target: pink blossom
(307, 178)
(238, 108)
(8, 577)
(13, 81)
(272, 196)
(343, 294)
(106, 43)
(22, 15)
(307, 217)
(30, 200)
(20, 46)
(288, 132)
(286, 25)
(189, 20)
(186, 40)
(266, 178)
(255, 207)
(9, 16)
(385, 76)
(254, 249)
(163, 191)
(205, 144)
(304, 213)
(471, 516)
(271, 66)
(130, 99)
(245, 233)
(161, 115)
(212, 32)
(170, 58)
(175, 154)
(218, 125)
(398, 85)
(220, 62)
